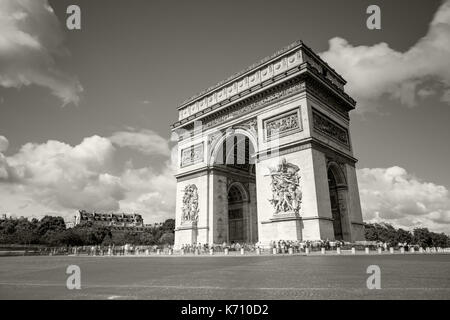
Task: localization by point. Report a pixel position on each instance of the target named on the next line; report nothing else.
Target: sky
(85, 114)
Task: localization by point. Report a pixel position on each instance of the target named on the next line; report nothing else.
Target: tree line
(384, 232)
(52, 231)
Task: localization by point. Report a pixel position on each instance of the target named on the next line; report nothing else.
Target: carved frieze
(282, 125)
(329, 128)
(249, 125)
(286, 193)
(190, 204)
(192, 155)
(258, 103)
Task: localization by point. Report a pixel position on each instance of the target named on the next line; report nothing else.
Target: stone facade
(269, 155)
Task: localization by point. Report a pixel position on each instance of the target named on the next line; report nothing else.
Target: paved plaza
(411, 276)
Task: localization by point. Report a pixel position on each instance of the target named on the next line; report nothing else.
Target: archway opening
(335, 205)
(236, 221)
(235, 151)
(233, 157)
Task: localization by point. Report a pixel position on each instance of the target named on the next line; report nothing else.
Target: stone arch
(218, 142)
(237, 213)
(240, 187)
(338, 174)
(338, 192)
(239, 193)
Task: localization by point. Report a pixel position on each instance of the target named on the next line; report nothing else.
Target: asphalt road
(421, 276)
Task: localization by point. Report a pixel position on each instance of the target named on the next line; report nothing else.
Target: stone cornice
(328, 149)
(299, 145)
(192, 227)
(244, 82)
(291, 47)
(199, 172)
(205, 170)
(242, 72)
(242, 97)
(301, 72)
(294, 218)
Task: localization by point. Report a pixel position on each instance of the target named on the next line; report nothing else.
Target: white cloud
(4, 144)
(30, 39)
(150, 192)
(58, 178)
(372, 71)
(145, 141)
(395, 196)
(61, 176)
(55, 177)
(3, 168)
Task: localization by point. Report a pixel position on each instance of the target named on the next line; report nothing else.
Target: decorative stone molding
(249, 125)
(192, 154)
(272, 152)
(190, 204)
(294, 218)
(329, 128)
(264, 99)
(282, 125)
(270, 67)
(244, 184)
(318, 90)
(242, 84)
(213, 137)
(338, 169)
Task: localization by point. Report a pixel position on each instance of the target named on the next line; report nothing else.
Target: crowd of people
(281, 246)
(101, 250)
(278, 246)
(205, 247)
(297, 246)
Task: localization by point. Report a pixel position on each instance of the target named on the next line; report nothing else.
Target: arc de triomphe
(267, 155)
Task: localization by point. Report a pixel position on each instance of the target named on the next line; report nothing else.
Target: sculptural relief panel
(190, 204)
(286, 192)
(282, 125)
(192, 155)
(329, 128)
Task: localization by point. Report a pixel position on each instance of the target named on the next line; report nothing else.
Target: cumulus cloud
(57, 177)
(61, 176)
(374, 71)
(30, 39)
(395, 196)
(145, 141)
(4, 144)
(150, 191)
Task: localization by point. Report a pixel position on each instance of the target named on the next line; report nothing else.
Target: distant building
(69, 224)
(117, 221)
